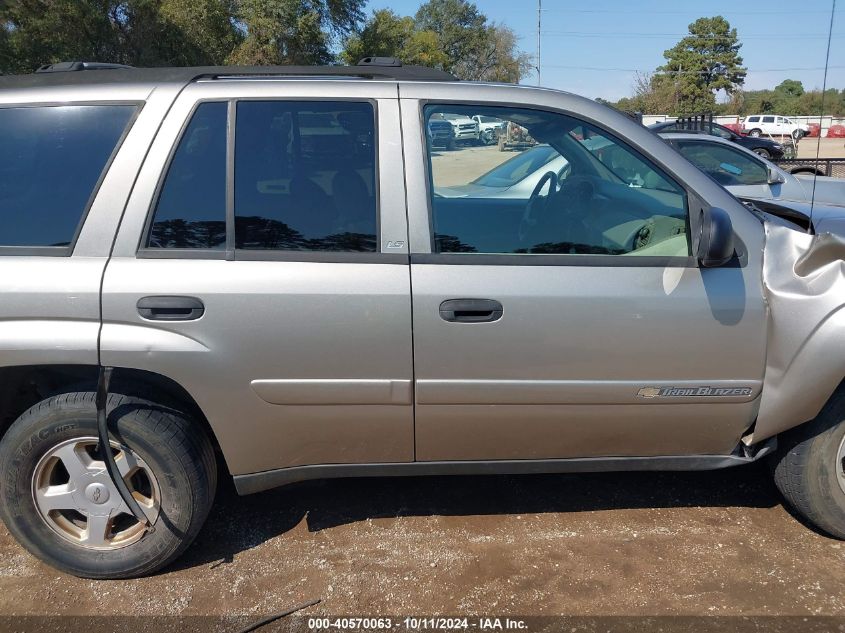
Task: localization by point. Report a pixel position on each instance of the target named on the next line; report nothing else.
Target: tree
(475, 49)
(705, 61)
(387, 34)
(790, 88)
(45, 31)
(452, 35)
(293, 31)
(500, 58)
(136, 32)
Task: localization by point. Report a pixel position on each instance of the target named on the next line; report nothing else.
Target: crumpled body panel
(804, 285)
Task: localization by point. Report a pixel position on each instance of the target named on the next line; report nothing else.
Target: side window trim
(67, 251)
(231, 253)
(517, 259)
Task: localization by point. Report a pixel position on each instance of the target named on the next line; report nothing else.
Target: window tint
(191, 209)
(753, 119)
(305, 176)
(724, 164)
(560, 186)
(768, 119)
(51, 159)
(718, 130)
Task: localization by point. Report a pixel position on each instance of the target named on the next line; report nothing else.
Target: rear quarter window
(52, 159)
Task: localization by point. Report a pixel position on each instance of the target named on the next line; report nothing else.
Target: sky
(593, 48)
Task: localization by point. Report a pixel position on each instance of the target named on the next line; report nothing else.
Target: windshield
(489, 119)
(454, 117)
(515, 169)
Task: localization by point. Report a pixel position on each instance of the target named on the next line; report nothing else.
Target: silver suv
(254, 270)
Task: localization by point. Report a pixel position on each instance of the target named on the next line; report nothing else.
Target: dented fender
(804, 287)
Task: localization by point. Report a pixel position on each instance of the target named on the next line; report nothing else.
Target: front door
(271, 278)
(557, 310)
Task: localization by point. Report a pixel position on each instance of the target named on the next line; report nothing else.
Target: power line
(627, 34)
(683, 72)
(728, 12)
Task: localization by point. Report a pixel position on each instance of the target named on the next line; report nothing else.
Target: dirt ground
(713, 543)
(828, 147)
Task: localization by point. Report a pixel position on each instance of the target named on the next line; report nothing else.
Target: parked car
(773, 125)
(441, 133)
(489, 128)
(464, 128)
(765, 147)
(748, 175)
(200, 270)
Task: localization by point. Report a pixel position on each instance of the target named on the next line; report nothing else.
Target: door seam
(410, 278)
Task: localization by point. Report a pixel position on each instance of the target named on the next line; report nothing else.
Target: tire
(808, 468)
(756, 132)
(488, 137)
(797, 134)
(450, 144)
(167, 448)
(762, 152)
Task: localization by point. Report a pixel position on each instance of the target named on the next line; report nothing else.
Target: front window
(553, 185)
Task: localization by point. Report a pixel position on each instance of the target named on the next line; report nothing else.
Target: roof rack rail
(380, 61)
(96, 73)
(64, 67)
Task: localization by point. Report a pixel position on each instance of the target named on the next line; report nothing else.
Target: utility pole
(539, 24)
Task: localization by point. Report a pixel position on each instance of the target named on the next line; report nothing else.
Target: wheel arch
(23, 386)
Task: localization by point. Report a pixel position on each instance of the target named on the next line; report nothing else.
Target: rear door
(577, 328)
(59, 206)
(262, 265)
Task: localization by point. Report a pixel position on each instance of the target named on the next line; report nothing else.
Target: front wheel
(809, 468)
(762, 152)
(59, 502)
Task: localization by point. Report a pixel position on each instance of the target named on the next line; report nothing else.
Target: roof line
(187, 75)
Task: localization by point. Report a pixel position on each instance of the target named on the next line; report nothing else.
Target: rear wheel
(809, 468)
(756, 133)
(59, 502)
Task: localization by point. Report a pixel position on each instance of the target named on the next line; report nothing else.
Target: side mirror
(775, 177)
(715, 238)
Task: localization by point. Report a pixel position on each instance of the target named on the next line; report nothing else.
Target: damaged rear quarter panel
(804, 285)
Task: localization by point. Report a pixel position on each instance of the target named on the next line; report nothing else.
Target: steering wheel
(529, 217)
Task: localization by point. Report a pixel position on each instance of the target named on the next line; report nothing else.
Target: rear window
(51, 161)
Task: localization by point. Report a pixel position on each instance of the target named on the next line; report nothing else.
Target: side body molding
(804, 283)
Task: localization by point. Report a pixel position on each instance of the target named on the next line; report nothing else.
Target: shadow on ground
(240, 523)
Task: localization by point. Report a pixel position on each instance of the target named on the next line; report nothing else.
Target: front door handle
(470, 310)
(170, 308)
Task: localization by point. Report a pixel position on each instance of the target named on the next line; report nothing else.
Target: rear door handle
(470, 310)
(170, 308)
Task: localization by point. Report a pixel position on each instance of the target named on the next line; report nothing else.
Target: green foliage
(173, 32)
(387, 34)
(790, 99)
(293, 31)
(449, 34)
(705, 61)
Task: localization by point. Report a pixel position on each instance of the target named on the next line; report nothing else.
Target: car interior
(610, 200)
